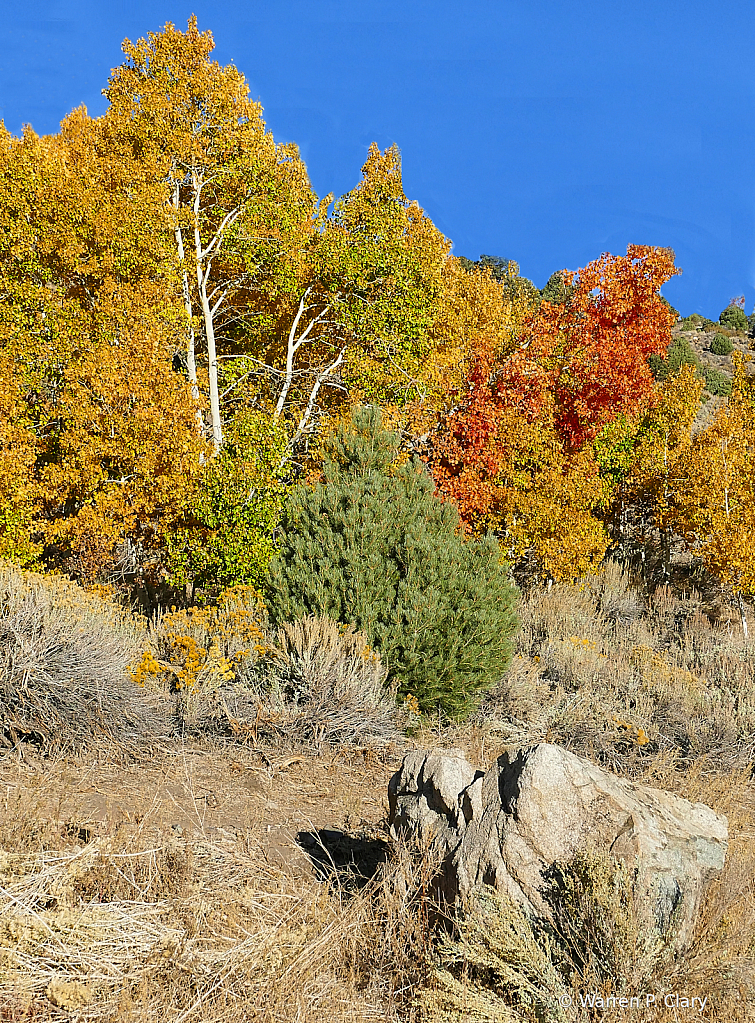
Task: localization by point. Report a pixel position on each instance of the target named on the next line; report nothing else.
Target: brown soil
(292, 810)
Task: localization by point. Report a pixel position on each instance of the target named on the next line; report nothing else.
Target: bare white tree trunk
(212, 364)
(191, 360)
(210, 301)
(322, 377)
(203, 273)
(294, 344)
(742, 614)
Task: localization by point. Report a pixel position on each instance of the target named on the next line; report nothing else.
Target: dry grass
(125, 928)
(140, 923)
(610, 678)
(329, 685)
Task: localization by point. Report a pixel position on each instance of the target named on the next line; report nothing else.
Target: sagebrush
(64, 656)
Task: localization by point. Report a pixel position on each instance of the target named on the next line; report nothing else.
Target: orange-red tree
(520, 440)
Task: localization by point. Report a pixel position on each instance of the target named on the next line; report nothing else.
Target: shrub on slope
(373, 547)
(64, 654)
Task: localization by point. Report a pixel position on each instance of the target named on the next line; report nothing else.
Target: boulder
(540, 806)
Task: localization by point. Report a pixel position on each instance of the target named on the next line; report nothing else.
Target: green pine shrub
(734, 318)
(721, 345)
(717, 382)
(680, 352)
(556, 290)
(373, 547)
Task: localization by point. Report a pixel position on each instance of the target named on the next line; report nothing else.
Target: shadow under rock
(352, 860)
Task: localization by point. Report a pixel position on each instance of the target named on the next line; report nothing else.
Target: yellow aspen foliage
(712, 491)
(129, 451)
(391, 259)
(87, 337)
(652, 445)
(239, 210)
(18, 499)
(285, 303)
(662, 435)
(549, 502)
(363, 328)
(168, 274)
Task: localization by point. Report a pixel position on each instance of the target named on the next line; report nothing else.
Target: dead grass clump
(63, 660)
(329, 685)
(405, 916)
(616, 595)
(204, 932)
(114, 876)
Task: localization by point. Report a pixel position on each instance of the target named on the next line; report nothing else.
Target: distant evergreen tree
(506, 272)
(680, 351)
(671, 309)
(696, 322)
(721, 345)
(717, 382)
(734, 318)
(498, 266)
(468, 264)
(556, 290)
(373, 547)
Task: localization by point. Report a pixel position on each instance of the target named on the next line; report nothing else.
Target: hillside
(287, 490)
(208, 878)
(700, 336)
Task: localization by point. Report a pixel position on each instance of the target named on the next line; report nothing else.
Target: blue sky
(539, 130)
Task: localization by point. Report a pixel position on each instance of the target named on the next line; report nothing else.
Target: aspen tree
(712, 501)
